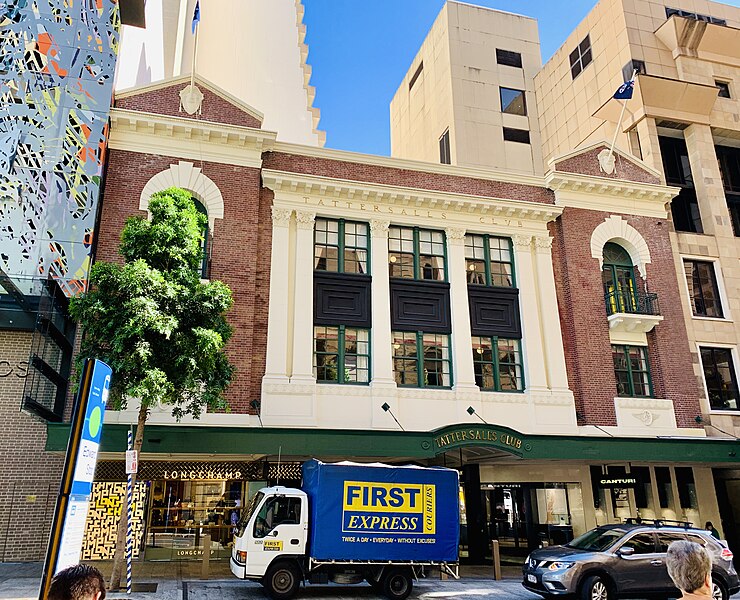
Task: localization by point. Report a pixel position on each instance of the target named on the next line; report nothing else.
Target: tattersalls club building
(521, 328)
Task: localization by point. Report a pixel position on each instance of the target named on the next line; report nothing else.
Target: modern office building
(254, 50)
(404, 311)
(468, 96)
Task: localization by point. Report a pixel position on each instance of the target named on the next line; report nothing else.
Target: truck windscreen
(247, 514)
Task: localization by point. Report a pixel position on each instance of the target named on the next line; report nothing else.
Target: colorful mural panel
(57, 62)
(107, 500)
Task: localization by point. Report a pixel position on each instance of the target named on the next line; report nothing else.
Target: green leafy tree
(156, 324)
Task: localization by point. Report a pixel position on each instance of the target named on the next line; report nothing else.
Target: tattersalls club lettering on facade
(402, 211)
(471, 436)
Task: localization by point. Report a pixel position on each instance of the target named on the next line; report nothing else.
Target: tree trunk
(119, 558)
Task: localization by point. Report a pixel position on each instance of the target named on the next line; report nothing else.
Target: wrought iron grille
(639, 303)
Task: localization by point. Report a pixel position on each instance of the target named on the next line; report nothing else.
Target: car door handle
(295, 542)
(656, 563)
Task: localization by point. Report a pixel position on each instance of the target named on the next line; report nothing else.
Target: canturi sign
(480, 436)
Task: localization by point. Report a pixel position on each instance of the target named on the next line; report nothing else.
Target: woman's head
(689, 566)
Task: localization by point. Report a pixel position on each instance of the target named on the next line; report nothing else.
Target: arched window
(618, 277)
(203, 269)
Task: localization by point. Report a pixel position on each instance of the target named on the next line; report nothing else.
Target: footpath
(181, 581)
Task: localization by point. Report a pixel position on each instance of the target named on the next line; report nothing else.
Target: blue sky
(360, 50)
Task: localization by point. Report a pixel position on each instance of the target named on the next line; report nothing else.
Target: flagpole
(619, 123)
(195, 54)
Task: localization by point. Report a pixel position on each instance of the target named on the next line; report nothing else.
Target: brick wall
(29, 477)
(403, 177)
(586, 331)
(588, 164)
(240, 254)
(166, 101)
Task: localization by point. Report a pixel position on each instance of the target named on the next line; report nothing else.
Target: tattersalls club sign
(480, 436)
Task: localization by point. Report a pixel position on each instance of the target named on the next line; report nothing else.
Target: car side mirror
(626, 551)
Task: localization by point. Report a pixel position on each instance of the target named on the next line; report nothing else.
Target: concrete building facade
(468, 96)
(254, 50)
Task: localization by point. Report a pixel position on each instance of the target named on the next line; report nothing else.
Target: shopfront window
(181, 513)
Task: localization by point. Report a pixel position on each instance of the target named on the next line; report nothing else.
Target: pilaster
(534, 352)
(276, 368)
(302, 371)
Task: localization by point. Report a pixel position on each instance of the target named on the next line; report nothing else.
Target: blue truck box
(381, 512)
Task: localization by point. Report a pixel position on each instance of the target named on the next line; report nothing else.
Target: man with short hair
(690, 569)
(80, 582)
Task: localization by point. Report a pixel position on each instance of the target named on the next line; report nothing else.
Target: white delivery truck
(350, 523)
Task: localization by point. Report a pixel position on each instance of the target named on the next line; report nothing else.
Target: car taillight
(726, 554)
(242, 556)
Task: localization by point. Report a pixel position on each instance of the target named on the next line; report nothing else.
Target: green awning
(198, 439)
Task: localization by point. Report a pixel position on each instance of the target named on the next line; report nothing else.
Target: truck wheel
(397, 584)
(282, 581)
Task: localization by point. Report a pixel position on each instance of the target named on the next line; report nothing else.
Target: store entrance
(506, 520)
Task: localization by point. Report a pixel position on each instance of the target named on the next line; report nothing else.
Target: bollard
(496, 560)
(205, 567)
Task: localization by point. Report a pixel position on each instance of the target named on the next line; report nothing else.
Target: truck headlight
(559, 566)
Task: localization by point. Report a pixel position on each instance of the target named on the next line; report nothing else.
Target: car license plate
(531, 578)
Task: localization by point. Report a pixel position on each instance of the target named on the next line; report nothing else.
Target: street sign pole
(70, 513)
(130, 470)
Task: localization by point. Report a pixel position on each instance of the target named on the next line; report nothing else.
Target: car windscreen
(247, 514)
(597, 540)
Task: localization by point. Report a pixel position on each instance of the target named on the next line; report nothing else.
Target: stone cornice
(193, 139)
(296, 186)
(610, 195)
(411, 165)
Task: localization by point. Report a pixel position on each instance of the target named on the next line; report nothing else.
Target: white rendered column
(534, 354)
(303, 305)
(462, 344)
(277, 319)
(549, 316)
(382, 360)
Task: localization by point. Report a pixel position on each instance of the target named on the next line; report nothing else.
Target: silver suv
(626, 560)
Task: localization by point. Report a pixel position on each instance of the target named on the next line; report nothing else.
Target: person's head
(689, 566)
(709, 525)
(80, 582)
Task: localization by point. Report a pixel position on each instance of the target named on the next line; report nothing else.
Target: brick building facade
(558, 406)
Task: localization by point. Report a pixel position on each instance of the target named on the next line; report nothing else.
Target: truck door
(279, 528)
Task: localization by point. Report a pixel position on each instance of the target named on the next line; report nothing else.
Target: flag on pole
(625, 90)
(196, 16)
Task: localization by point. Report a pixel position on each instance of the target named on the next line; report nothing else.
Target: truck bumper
(237, 569)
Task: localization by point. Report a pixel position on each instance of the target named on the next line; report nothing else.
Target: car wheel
(282, 581)
(397, 584)
(719, 591)
(596, 587)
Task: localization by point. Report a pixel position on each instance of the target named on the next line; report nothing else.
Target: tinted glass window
(665, 538)
(597, 540)
(277, 511)
(509, 58)
(642, 543)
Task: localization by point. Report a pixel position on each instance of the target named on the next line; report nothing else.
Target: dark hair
(80, 582)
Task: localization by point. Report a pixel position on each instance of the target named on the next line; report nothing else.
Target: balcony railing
(637, 303)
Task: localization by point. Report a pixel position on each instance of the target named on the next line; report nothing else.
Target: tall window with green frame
(341, 355)
(498, 364)
(618, 277)
(340, 246)
(632, 371)
(488, 260)
(415, 253)
(422, 359)
(203, 267)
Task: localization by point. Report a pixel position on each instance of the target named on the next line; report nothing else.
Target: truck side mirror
(626, 551)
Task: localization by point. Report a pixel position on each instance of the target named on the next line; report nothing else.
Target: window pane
(401, 265)
(474, 247)
(476, 271)
(431, 267)
(509, 362)
(720, 377)
(405, 362)
(513, 101)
